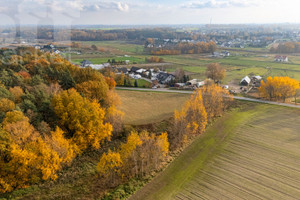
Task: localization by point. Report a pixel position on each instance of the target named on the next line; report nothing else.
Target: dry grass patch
(142, 107)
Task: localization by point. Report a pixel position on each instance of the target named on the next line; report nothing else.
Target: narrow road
(190, 92)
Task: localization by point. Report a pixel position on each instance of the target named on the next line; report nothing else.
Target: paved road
(190, 92)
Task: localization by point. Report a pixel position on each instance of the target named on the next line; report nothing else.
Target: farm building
(195, 82)
(192, 82)
(245, 81)
(164, 77)
(256, 78)
(279, 58)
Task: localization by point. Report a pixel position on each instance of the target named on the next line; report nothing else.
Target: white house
(245, 81)
(279, 58)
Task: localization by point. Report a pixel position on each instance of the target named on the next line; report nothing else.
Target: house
(192, 82)
(48, 48)
(140, 71)
(195, 82)
(122, 69)
(135, 76)
(279, 58)
(179, 85)
(134, 69)
(106, 64)
(97, 66)
(245, 81)
(164, 77)
(226, 53)
(256, 78)
(200, 84)
(86, 63)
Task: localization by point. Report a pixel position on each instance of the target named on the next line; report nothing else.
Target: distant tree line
(185, 48)
(286, 47)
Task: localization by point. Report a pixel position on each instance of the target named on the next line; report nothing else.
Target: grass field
(149, 107)
(242, 62)
(250, 153)
(99, 60)
(237, 66)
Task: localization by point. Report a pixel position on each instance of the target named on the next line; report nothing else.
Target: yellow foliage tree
(64, 147)
(278, 88)
(19, 128)
(196, 115)
(215, 99)
(25, 157)
(93, 90)
(110, 162)
(17, 93)
(133, 140)
(6, 105)
(163, 143)
(141, 154)
(192, 119)
(46, 160)
(82, 119)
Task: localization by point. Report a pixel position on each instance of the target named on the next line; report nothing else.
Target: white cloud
(107, 5)
(219, 4)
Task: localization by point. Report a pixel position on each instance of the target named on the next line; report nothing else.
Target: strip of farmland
(255, 154)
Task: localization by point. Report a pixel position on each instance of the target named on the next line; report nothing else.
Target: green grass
(242, 62)
(118, 45)
(99, 60)
(236, 66)
(239, 156)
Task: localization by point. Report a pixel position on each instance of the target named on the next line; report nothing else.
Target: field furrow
(260, 160)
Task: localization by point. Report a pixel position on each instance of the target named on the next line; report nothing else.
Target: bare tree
(215, 72)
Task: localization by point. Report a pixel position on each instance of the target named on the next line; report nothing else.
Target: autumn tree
(215, 99)
(61, 145)
(191, 120)
(138, 156)
(215, 72)
(278, 88)
(120, 79)
(109, 166)
(94, 47)
(25, 157)
(83, 120)
(17, 93)
(94, 90)
(6, 105)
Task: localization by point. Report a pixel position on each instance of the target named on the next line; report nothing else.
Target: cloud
(219, 4)
(108, 6)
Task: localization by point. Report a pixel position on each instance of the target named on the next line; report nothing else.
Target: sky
(135, 12)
